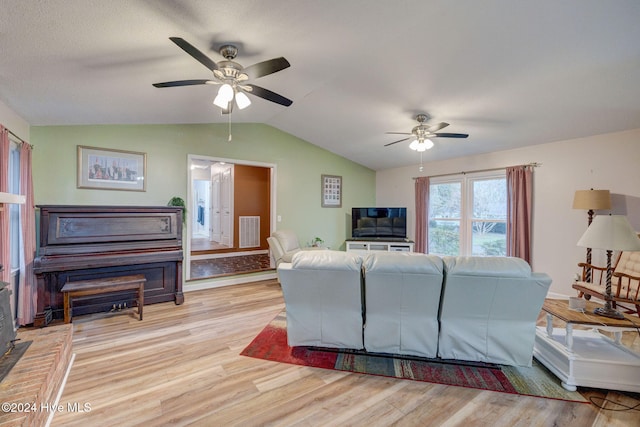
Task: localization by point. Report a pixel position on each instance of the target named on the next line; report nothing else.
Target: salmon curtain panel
(27, 289)
(519, 211)
(5, 255)
(422, 214)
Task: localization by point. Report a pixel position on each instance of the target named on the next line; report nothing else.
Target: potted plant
(316, 242)
(179, 201)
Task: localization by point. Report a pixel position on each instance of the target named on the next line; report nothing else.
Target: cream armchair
(283, 244)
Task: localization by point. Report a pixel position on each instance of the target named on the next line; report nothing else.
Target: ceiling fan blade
(437, 127)
(269, 95)
(266, 67)
(195, 53)
(395, 142)
(398, 133)
(183, 83)
(449, 135)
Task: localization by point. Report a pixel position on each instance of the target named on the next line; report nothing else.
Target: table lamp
(610, 232)
(591, 200)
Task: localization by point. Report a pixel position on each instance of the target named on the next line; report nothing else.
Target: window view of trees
(467, 216)
(489, 215)
(444, 218)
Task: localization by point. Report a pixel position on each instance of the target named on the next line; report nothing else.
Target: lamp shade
(610, 232)
(592, 199)
(242, 100)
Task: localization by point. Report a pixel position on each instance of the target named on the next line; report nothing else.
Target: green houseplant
(179, 202)
(317, 242)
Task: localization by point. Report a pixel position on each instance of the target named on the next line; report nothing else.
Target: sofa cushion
(403, 262)
(629, 263)
(487, 266)
(326, 260)
(402, 296)
(489, 310)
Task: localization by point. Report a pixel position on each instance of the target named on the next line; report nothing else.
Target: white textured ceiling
(510, 73)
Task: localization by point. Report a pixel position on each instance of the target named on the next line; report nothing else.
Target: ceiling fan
(421, 134)
(232, 77)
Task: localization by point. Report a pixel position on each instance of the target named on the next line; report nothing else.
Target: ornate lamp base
(608, 312)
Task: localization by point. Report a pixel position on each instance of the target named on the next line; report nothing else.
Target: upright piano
(93, 242)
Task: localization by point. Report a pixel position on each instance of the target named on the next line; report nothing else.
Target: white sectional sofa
(489, 309)
(323, 295)
(402, 296)
(465, 308)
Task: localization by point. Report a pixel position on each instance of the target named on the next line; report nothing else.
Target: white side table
(587, 357)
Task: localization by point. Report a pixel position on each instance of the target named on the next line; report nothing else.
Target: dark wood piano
(92, 242)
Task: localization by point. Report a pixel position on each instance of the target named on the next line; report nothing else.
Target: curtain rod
(19, 140)
(533, 164)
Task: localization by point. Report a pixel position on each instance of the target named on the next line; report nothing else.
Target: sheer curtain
(27, 290)
(422, 214)
(5, 247)
(519, 209)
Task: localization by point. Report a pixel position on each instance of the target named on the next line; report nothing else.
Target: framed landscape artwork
(331, 191)
(107, 169)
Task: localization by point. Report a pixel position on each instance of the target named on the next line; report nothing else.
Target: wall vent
(249, 231)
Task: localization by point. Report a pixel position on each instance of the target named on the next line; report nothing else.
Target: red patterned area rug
(271, 344)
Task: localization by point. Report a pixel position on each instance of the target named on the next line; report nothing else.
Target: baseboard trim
(212, 283)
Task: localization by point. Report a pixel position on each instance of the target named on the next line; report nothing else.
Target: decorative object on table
(331, 191)
(107, 169)
(317, 242)
(610, 232)
(591, 200)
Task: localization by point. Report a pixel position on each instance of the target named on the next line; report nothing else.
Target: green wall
(299, 167)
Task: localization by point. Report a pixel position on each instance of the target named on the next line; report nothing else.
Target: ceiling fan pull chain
(421, 167)
(229, 127)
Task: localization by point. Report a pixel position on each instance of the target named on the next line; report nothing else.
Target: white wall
(610, 162)
(12, 121)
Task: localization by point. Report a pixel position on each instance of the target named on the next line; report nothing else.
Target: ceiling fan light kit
(421, 145)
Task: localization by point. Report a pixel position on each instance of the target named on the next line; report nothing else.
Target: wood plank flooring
(181, 367)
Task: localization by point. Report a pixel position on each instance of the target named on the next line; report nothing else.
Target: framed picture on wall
(107, 169)
(331, 191)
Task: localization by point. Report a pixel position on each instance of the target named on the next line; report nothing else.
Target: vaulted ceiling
(509, 73)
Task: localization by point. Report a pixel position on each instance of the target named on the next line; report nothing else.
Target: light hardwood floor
(181, 366)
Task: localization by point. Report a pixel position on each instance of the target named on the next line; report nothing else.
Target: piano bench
(85, 288)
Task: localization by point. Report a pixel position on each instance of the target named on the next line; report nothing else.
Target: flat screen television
(379, 223)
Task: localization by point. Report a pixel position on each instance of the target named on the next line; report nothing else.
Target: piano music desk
(102, 286)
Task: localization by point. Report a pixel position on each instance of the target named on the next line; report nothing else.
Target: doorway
(212, 206)
(231, 205)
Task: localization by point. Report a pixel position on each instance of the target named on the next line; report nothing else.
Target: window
(467, 214)
(14, 210)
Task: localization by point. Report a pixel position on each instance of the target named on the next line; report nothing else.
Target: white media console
(364, 246)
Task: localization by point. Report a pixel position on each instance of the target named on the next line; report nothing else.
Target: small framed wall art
(107, 169)
(331, 191)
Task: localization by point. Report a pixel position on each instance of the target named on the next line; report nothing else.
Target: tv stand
(365, 246)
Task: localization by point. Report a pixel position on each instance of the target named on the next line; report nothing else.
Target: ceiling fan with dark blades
(232, 77)
(422, 133)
